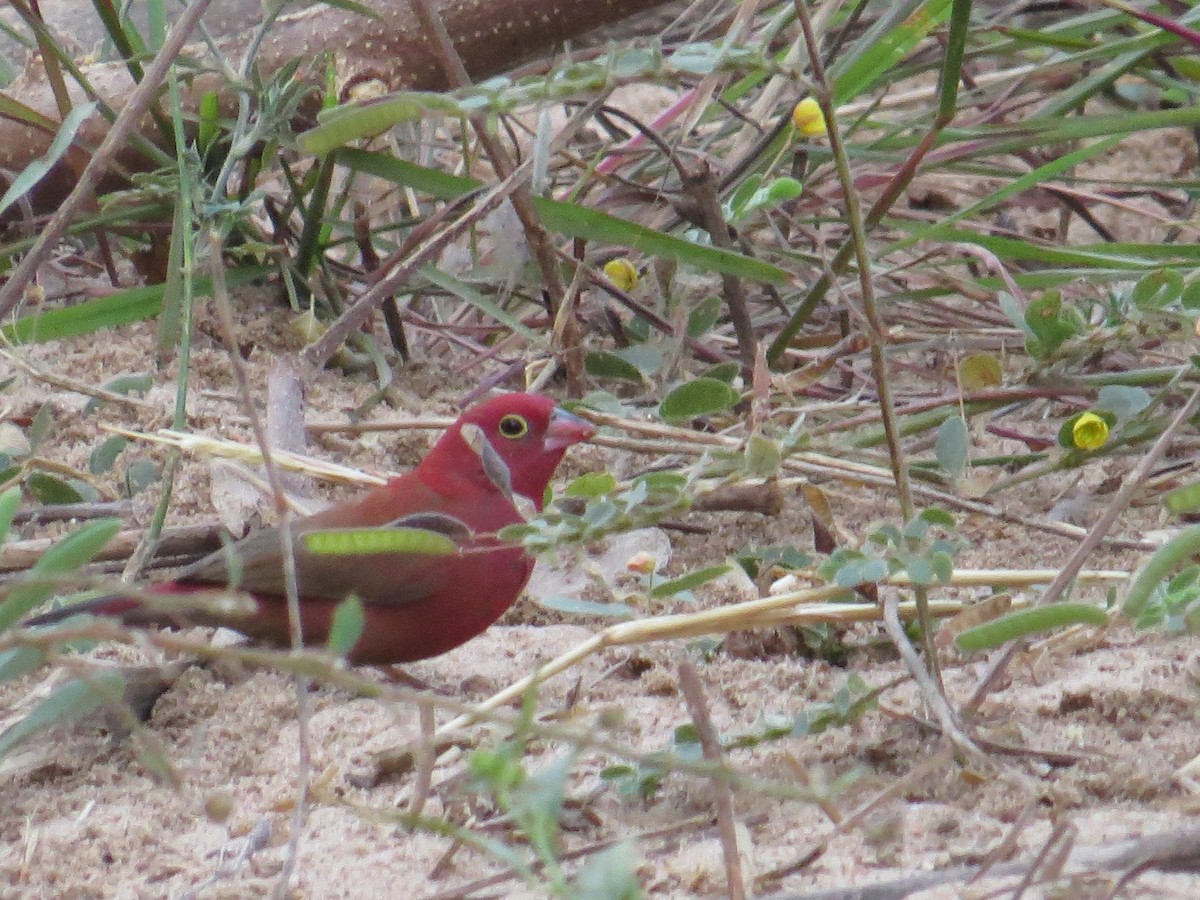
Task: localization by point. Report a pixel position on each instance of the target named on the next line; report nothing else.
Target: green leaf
(373, 541)
(603, 401)
(123, 385)
(952, 446)
(878, 50)
(578, 607)
(890, 534)
(51, 490)
(349, 619)
(486, 305)
(725, 372)
(1113, 258)
(771, 195)
(1157, 289)
(572, 219)
(1050, 322)
(874, 570)
(8, 473)
(9, 501)
(687, 735)
(209, 128)
(1025, 622)
(1011, 307)
(38, 169)
(20, 661)
(19, 112)
(68, 555)
(937, 516)
(1155, 570)
(103, 457)
(742, 194)
(704, 316)
(914, 530)
(697, 59)
(354, 121)
(919, 570)
(783, 555)
(851, 701)
(610, 875)
(139, 475)
(762, 456)
(1184, 499)
(71, 701)
(689, 582)
(38, 428)
(120, 308)
(1122, 400)
(602, 364)
(783, 189)
(648, 358)
(943, 565)
(849, 574)
(698, 397)
(1190, 298)
(592, 484)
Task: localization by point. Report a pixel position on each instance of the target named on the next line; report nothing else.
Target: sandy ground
(1103, 723)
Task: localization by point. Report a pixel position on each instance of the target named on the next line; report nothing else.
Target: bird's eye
(513, 426)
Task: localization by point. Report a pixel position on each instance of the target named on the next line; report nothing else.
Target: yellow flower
(808, 118)
(1090, 432)
(622, 273)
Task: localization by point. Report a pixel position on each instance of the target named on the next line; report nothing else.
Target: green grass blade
(74, 699)
(483, 303)
(68, 555)
(1029, 180)
(37, 170)
(572, 220)
(1155, 571)
(121, 308)
(1027, 622)
(887, 49)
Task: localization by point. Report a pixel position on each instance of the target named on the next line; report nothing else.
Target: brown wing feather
(254, 565)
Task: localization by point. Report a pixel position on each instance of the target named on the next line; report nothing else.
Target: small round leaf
(699, 397)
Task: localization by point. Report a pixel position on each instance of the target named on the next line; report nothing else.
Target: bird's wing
(384, 574)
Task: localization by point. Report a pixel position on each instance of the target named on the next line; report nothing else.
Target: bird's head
(527, 433)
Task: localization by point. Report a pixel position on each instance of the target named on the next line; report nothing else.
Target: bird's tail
(132, 610)
(114, 606)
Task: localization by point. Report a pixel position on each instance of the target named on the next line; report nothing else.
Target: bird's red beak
(566, 429)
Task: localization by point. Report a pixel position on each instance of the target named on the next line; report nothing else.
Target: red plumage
(416, 605)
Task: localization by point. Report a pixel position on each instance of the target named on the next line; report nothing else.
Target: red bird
(416, 605)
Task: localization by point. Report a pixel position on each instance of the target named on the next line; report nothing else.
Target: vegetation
(895, 245)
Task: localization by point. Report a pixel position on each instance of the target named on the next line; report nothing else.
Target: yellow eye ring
(514, 426)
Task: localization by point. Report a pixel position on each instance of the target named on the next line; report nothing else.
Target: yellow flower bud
(808, 118)
(1090, 432)
(622, 273)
